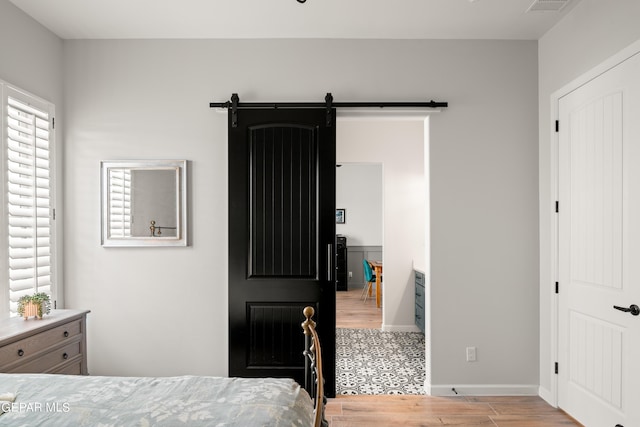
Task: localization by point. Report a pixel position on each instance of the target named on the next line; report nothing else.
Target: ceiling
(368, 19)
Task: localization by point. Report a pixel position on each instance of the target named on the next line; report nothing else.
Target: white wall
(149, 99)
(359, 192)
(592, 32)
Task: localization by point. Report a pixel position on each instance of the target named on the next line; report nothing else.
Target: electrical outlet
(471, 354)
(351, 275)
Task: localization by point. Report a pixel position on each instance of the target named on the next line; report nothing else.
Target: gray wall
(355, 256)
(31, 59)
(31, 55)
(146, 99)
(591, 33)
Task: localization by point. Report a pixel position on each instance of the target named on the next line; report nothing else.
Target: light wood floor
(352, 312)
(427, 411)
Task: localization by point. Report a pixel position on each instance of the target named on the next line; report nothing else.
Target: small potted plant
(36, 305)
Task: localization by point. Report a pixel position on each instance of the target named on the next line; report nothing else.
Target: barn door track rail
(234, 105)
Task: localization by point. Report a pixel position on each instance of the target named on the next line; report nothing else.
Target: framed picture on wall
(341, 216)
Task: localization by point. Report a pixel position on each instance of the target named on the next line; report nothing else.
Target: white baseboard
(483, 390)
(547, 395)
(400, 328)
(427, 388)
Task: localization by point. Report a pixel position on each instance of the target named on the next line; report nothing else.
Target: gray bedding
(66, 400)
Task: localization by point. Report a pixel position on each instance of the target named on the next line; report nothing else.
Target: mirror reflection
(143, 203)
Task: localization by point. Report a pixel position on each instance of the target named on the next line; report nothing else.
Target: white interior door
(599, 249)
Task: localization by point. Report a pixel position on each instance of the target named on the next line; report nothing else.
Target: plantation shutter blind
(120, 202)
(29, 197)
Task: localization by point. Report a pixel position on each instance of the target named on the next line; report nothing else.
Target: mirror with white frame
(144, 202)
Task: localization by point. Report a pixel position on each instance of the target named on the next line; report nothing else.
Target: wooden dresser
(56, 344)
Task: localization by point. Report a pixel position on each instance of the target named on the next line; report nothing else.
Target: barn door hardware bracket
(328, 99)
(235, 100)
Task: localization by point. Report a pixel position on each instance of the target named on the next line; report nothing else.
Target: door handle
(329, 261)
(633, 309)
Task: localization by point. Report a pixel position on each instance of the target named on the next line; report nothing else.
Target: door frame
(547, 282)
(380, 115)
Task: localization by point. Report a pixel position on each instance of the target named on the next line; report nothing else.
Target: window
(27, 246)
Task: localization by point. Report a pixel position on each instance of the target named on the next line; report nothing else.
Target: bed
(70, 400)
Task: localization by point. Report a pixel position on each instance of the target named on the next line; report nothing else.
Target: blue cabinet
(420, 300)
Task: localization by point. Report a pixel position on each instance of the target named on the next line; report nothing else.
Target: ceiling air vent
(547, 5)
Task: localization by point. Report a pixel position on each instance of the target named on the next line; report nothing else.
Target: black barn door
(281, 240)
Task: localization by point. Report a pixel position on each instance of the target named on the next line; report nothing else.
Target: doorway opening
(398, 147)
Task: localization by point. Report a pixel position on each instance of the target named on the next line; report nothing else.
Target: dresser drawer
(55, 344)
(27, 347)
(73, 368)
(51, 359)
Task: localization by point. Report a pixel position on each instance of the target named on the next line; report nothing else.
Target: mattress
(70, 400)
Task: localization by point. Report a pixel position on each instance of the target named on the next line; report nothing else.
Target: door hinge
(53, 122)
(53, 214)
(556, 367)
(557, 125)
(55, 304)
(557, 287)
(557, 206)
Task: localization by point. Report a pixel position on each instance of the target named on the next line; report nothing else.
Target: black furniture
(342, 276)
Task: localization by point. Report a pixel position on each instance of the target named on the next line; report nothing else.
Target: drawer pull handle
(65, 356)
(66, 334)
(21, 352)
